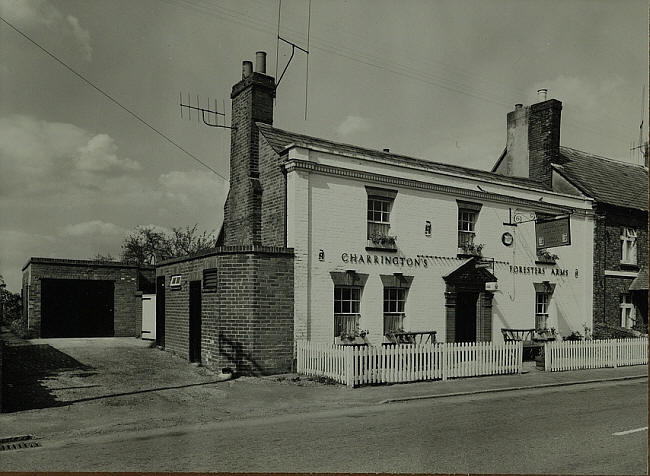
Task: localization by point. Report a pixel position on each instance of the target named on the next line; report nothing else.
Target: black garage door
(76, 308)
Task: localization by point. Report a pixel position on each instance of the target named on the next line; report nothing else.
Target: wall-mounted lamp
(577, 273)
(427, 228)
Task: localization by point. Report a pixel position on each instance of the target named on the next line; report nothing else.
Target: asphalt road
(560, 430)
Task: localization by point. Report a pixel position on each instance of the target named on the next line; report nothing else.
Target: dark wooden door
(160, 311)
(195, 321)
(466, 317)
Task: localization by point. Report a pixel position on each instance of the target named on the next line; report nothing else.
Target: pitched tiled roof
(607, 181)
(279, 139)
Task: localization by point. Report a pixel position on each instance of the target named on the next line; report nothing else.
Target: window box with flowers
(546, 257)
(469, 249)
(381, 241)
(351, 338)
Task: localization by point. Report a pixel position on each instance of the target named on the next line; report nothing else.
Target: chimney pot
(260, 62)
(246, 69)
(541, 94)
(518, 106)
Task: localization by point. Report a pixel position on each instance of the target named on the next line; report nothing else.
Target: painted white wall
(330, 215)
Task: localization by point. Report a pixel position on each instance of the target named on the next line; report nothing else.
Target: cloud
(99, 154)
(192, 187)
(82, 36)
(352, 125)
(36, 14)
(92, 227)
(40, 158)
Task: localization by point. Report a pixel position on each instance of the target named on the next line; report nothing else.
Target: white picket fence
(359, 365)
(594, 354)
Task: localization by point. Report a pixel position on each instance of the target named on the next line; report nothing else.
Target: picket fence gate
(359, 365)
(595, 354)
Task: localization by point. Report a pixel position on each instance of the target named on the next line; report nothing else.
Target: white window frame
(379, 217)
(466, 226)
(541, 309)
(628, 311)
(629, 245)
(394, 307)
(175, 281)
(352, 315)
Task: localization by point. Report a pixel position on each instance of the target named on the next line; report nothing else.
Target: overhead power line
(112, 99)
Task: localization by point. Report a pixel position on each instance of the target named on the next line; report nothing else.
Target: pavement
(73, 388)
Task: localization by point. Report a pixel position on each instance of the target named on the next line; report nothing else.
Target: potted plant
(545, 334)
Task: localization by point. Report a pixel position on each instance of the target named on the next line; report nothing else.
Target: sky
(433, 79)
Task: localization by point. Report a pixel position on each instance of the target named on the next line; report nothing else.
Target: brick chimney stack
(544, 140)
(533, 140)
(252, 101)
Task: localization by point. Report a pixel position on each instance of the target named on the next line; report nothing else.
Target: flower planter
(348, 341)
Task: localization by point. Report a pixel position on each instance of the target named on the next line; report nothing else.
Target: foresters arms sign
(536, 270)
(386, 260)
(553, 232)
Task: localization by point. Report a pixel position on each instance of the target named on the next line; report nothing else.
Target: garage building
(82, 298)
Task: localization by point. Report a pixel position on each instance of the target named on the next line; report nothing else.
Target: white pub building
(387, 243)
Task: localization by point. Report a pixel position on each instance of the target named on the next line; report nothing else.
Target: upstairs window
(541, 310)
(380, 204)
(466, 225)
(394, 301)
(628, 315)
(467, 217)
(628, 245)
(347, 300)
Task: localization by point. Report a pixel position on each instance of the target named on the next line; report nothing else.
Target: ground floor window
(394, 300)
(541, 310)
(628, 316)
(347, 301)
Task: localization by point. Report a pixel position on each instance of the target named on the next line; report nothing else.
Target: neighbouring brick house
(83, 298)
(620, 194)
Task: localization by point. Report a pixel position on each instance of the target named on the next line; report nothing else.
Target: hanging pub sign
(553, 232)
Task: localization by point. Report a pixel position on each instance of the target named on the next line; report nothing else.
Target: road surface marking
(630, 431)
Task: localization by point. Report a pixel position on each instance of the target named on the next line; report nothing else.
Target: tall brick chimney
(533, 140)
(252, 101)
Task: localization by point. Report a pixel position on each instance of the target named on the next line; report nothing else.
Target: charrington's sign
(381, 259)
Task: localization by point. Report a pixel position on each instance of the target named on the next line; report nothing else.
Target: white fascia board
(296, 150)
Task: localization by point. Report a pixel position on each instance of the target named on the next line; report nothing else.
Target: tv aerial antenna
(209, 116)
(641, 147)
(294, 47)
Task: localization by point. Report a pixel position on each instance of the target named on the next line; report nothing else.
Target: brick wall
(252, 101)
(607, 256)
(247, 324)
(274, 196)
(544, 139)
(125, 278)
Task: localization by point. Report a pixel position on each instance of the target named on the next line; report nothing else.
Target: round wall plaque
(507, 239)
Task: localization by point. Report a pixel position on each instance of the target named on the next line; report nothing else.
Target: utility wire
(112, 99)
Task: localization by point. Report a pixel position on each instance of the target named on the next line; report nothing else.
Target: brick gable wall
(607, 256)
